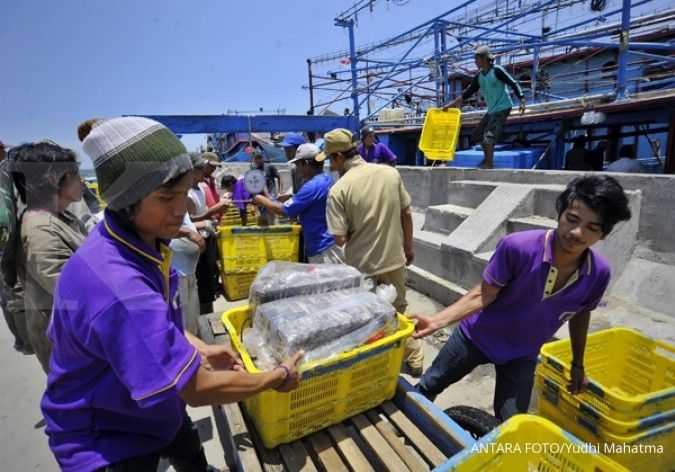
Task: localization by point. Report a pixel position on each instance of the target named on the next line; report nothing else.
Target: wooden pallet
(405, 434)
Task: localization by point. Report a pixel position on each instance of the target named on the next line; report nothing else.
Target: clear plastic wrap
(278, 280)
(324, 324)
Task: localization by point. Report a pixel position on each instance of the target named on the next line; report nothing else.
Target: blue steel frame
(197, 124)
(507, 41)
(437, 27)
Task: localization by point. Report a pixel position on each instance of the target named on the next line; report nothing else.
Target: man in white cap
(309, 205)
(493, 79)
(369, 213)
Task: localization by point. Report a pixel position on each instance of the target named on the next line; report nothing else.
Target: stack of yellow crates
(529, 443)
(628, 410)
(232, 217)
(245, 249)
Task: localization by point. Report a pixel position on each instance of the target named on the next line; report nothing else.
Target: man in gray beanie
(122, 368)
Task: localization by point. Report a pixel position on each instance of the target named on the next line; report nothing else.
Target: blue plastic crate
(504, 158)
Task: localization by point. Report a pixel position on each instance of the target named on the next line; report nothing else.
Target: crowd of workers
(110, 308)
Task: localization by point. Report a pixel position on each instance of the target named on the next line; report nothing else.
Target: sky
(69, 60)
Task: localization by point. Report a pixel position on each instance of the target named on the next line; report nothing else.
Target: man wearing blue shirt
(493, 79)
(309, 206)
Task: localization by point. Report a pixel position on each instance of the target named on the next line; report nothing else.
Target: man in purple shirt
(535, 281)
(121, 367)
(373, 151)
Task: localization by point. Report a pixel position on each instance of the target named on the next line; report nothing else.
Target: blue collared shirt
(309, 205)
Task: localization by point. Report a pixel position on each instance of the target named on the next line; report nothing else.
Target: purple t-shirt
(523, 317)
(119, 358)
(378, 154)
(240, 194)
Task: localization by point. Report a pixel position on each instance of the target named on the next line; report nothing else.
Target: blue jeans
(459, 356)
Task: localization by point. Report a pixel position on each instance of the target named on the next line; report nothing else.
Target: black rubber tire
(477, 422)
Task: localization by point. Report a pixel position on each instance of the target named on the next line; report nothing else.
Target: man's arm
(274, 207)
(470, 90)
(336, 218)
(390, 157)
(505, 77)
(217, 208)
(191, 235)
(578, 326)
(209, 387)
(277, 176)
(474, 300)
(407, 224)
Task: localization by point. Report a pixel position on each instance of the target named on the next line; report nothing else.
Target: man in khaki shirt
(368, 212)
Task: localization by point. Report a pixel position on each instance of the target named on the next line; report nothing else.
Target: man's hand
(341, 240)
(453, 104)
(578, 382)
(424, 327)
(210, 228)
(292, 378)
(197, 238)
(522, 105)
(409, 256)
(216, 357)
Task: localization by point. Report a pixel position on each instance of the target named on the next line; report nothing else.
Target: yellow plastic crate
(232, 217)
(237, 285)
(529, 443)
(93, 186)
(573, 406)
(245, 249)
(652, 450)
(248, 248)
(440, 133)
(631, 376)
(330, 390)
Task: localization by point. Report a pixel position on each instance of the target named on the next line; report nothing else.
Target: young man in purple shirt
(372, 151)
(122, 369)
(535, 281)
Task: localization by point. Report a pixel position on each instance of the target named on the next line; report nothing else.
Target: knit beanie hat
(132, 157)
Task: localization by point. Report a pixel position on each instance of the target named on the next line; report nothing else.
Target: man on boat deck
(535, 282)
(493, 79)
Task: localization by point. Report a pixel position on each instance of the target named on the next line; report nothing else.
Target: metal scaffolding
(427, 65)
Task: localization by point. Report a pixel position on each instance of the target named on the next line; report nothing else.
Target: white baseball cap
(306, 152)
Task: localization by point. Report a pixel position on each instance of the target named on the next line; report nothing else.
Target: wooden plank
(329, 457)
(270, 459)
(217, 326)
(205, 330)
(226, 441)
(380, 446)
(413, 462)
(350, 450)
(421, 442)
(296, 457)
(242, 438)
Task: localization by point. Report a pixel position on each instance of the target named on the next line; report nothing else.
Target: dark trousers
(207, 275)
(185, 453)
(459, 356)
